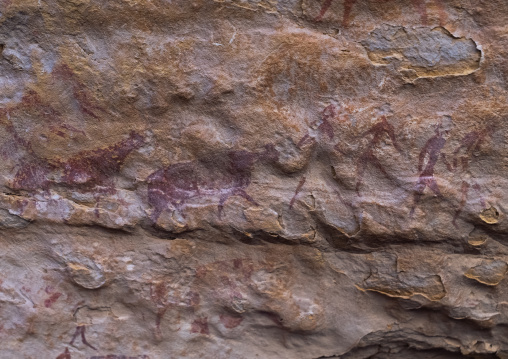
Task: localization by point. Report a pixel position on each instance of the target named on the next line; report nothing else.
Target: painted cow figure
(223, 175)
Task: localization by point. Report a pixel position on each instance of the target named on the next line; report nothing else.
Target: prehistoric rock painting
(81, 94)
(463, 154)
(222, 175)
(378, 131)
(298, 189)
(200, 326)
(323, 126)
(80, 331)
(230, 321)
(53, 296)
(348, 6)
(65, 355)
(95, 167)
(85, 170)
(168, 296)
(419, 6)
(470, 143)
(431, 152)
(306, 251)
(165, 297)
(77, 96)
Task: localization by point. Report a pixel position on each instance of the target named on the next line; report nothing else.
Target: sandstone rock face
(253, 179)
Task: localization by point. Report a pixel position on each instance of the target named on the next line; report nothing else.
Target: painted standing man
(431, 152)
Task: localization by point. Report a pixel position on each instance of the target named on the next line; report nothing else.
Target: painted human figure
(323, 126)
(80, 331)
(431, 152)
(470, 143)
(378, 131)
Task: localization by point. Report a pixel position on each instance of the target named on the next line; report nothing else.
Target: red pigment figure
(80, 330)
(52, 299)
(470, 143)
(328, 113)
(432, 148)
(324, 126)
(85, 169)
(419, 5)
(378, 130)
(348, 7)
(200, 326)
(34, 170)
(226, 176)
(230, 321)
(298, 189)
(95, 167)
(64, 355)
(79, 91)
(159, 296)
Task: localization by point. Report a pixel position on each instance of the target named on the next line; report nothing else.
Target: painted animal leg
(75, 335)
(298, 189)
(463, 200)
(64, 355)
(360, 170)
(158, 320)
(97, 202)
(156, 214)
(380, 167)
(348, 7)
(443, 16)
(324, 8)
(236, 192)
(83, 338)
(434, 187)
(241, 192)
(417, 195)
(422, 10)
(478, 189)
(81, 330)
(223, 200)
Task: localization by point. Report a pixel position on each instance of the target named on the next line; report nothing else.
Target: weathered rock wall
(253, 179)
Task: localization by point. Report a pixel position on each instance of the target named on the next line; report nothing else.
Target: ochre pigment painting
(253, 179)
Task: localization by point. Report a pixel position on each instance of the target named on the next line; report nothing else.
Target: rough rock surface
(253, 179)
